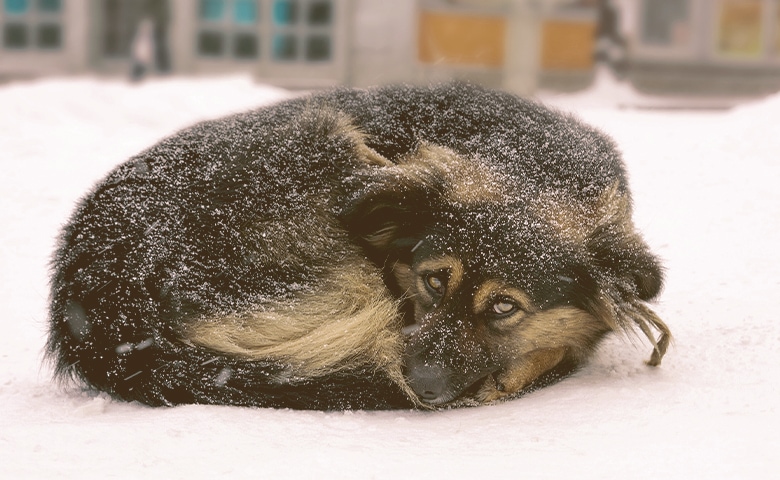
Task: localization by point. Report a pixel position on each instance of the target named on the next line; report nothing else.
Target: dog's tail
(339, 352)
(348, 326)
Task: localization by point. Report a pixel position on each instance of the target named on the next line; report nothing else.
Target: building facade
(519, 45)
(285, 41)
(699, 46)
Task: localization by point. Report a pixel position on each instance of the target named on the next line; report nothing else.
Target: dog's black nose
(430, 383)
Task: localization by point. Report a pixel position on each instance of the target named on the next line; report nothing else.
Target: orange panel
(567, 45)
(461, 39)
(739, 28)
(777, 34)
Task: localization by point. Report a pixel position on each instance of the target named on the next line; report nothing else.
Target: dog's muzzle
(431, 383)
(437, 385)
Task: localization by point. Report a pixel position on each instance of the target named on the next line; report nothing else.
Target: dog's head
(499, 293)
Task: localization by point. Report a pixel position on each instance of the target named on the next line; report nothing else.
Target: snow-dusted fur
(279, 257)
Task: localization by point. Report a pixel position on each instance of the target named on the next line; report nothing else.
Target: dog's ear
(392, 205)
(389, 215)
(618, 251)
(624, 259)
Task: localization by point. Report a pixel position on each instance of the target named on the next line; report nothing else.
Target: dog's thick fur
(385, 248)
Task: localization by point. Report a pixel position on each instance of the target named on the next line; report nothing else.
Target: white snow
(706, 196)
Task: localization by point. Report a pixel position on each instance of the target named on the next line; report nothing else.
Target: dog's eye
(504, 307)
(436, 283)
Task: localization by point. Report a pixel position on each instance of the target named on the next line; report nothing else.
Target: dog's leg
(528, 368)
(644, 317)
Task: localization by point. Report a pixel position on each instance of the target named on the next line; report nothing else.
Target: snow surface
(706, 196)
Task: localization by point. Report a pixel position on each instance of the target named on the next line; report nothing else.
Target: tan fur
(646, 318)
(404, 275)
(369, 155)
(345, 127)
(530, 367)
(382, 236)
(445, 263)
(575, 221)
(621, 315)
(537, 344)
(613, 207)
(335, 123)
(349, 321)
(467, 181)
(556, 327)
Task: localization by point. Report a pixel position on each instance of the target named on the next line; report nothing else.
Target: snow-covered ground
(706, 196)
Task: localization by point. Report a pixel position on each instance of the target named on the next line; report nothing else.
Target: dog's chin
(471, 396)
(444, 400)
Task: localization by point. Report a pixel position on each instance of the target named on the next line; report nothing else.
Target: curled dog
(396, 247)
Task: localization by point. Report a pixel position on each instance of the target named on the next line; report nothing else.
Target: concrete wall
(384, 36)
(383, 42)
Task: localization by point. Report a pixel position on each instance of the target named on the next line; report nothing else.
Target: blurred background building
(659, 46)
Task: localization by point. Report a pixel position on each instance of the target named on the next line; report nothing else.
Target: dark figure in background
(160, 13)
(610, 44)
(149, 50)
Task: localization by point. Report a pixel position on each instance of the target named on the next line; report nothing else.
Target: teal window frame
(31, 25)
(278, 31)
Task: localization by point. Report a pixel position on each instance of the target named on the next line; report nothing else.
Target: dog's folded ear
(624, 260)
(388, 213)
(390, 205)
(619, 255)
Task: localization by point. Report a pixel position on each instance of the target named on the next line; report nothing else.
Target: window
(246, 12)
(317, 48)
(49, 36)
(277, 30)
(302, 30)
(666, 23)
(229, 28)
(16, 7)
(285, 12)
(212, 10)
(740, 28)
(285, 46)
(776, 25)
(32, 24)
(15, 35)
(50, 5)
